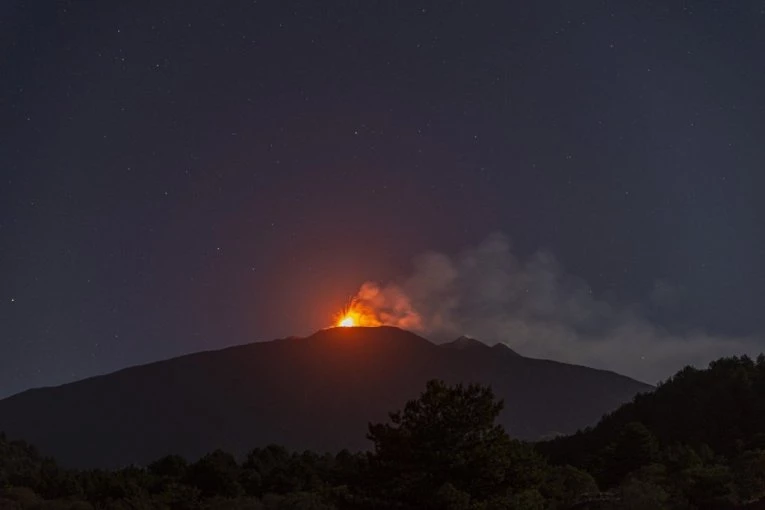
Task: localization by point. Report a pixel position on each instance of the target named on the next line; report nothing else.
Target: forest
(695, 443)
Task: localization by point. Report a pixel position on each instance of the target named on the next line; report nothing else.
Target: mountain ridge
(316, 392)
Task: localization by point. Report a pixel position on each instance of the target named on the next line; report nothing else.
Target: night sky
(184, 176)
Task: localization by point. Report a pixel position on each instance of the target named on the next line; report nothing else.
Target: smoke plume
(538, 310)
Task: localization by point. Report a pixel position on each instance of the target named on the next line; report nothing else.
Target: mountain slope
(317, 393)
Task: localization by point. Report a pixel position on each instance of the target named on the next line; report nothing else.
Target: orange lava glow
(346, 322)
(356, 315)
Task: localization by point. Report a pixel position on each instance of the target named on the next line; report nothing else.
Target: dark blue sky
(179, 176)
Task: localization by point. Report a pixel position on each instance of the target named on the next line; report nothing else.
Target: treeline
(697, 441)
(694, 443)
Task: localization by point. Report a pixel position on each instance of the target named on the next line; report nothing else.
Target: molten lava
(356, 314)
(346, 322)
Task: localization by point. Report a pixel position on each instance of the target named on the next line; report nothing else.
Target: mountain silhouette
(466, 342)
(317, 392)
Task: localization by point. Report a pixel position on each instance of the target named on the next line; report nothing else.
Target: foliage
(449, 436)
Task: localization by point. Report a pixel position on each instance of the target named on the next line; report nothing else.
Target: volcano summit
(317, 392)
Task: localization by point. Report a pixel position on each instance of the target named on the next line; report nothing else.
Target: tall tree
(449, 436)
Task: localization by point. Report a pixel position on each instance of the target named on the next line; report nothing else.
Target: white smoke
(535, 308)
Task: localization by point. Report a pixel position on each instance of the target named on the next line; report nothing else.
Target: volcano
(317, 392)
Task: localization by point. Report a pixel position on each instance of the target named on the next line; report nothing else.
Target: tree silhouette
(749, 471)
(449, 436)
(216, 473)
(634, 448)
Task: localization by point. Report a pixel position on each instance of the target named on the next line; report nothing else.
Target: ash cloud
(538, 310)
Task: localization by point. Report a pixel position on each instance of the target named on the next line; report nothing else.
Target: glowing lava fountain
(356, 314)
